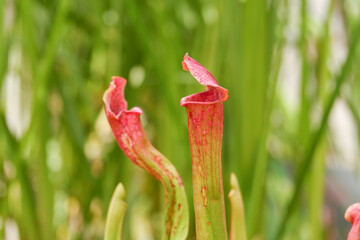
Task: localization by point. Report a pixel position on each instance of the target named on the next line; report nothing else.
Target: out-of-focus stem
(115, 215)
(315, 139)
(237, 221)
(11, 151)
(317, 174)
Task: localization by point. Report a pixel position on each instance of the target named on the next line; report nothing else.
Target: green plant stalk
(2, 11)
(356, 115)
(54, 40)
(322, 67)
(71, 120)
(304, 123)
(208, 192)
(315, 138)
(354, 111)
(115, 43)
(317, 174)
(253, 67)
(4, 207)
(3, 213)
(257, 191)
(4, 46)
(316, 192)
(40, 119)
(353, 98)
(29, 30)
(116, 214)
(28, 220)
(237, 222)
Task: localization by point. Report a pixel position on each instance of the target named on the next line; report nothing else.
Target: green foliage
(59, 164)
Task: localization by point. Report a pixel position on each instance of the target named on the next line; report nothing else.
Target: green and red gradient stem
(352, 215)
(205, 124)
(133, 141)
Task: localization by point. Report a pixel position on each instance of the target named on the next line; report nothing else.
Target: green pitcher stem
(208, 188)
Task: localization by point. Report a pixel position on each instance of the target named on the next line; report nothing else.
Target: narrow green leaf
(237, 222)
(115, 215)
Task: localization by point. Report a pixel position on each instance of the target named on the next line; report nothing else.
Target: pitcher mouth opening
(115, 103)
(210, 96)
(213, 93)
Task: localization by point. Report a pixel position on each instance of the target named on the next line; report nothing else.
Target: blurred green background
(291, 128)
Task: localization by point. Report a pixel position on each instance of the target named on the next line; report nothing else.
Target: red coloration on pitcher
(213, 93)
(132, 139)
(352, 215)
(205, 124)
